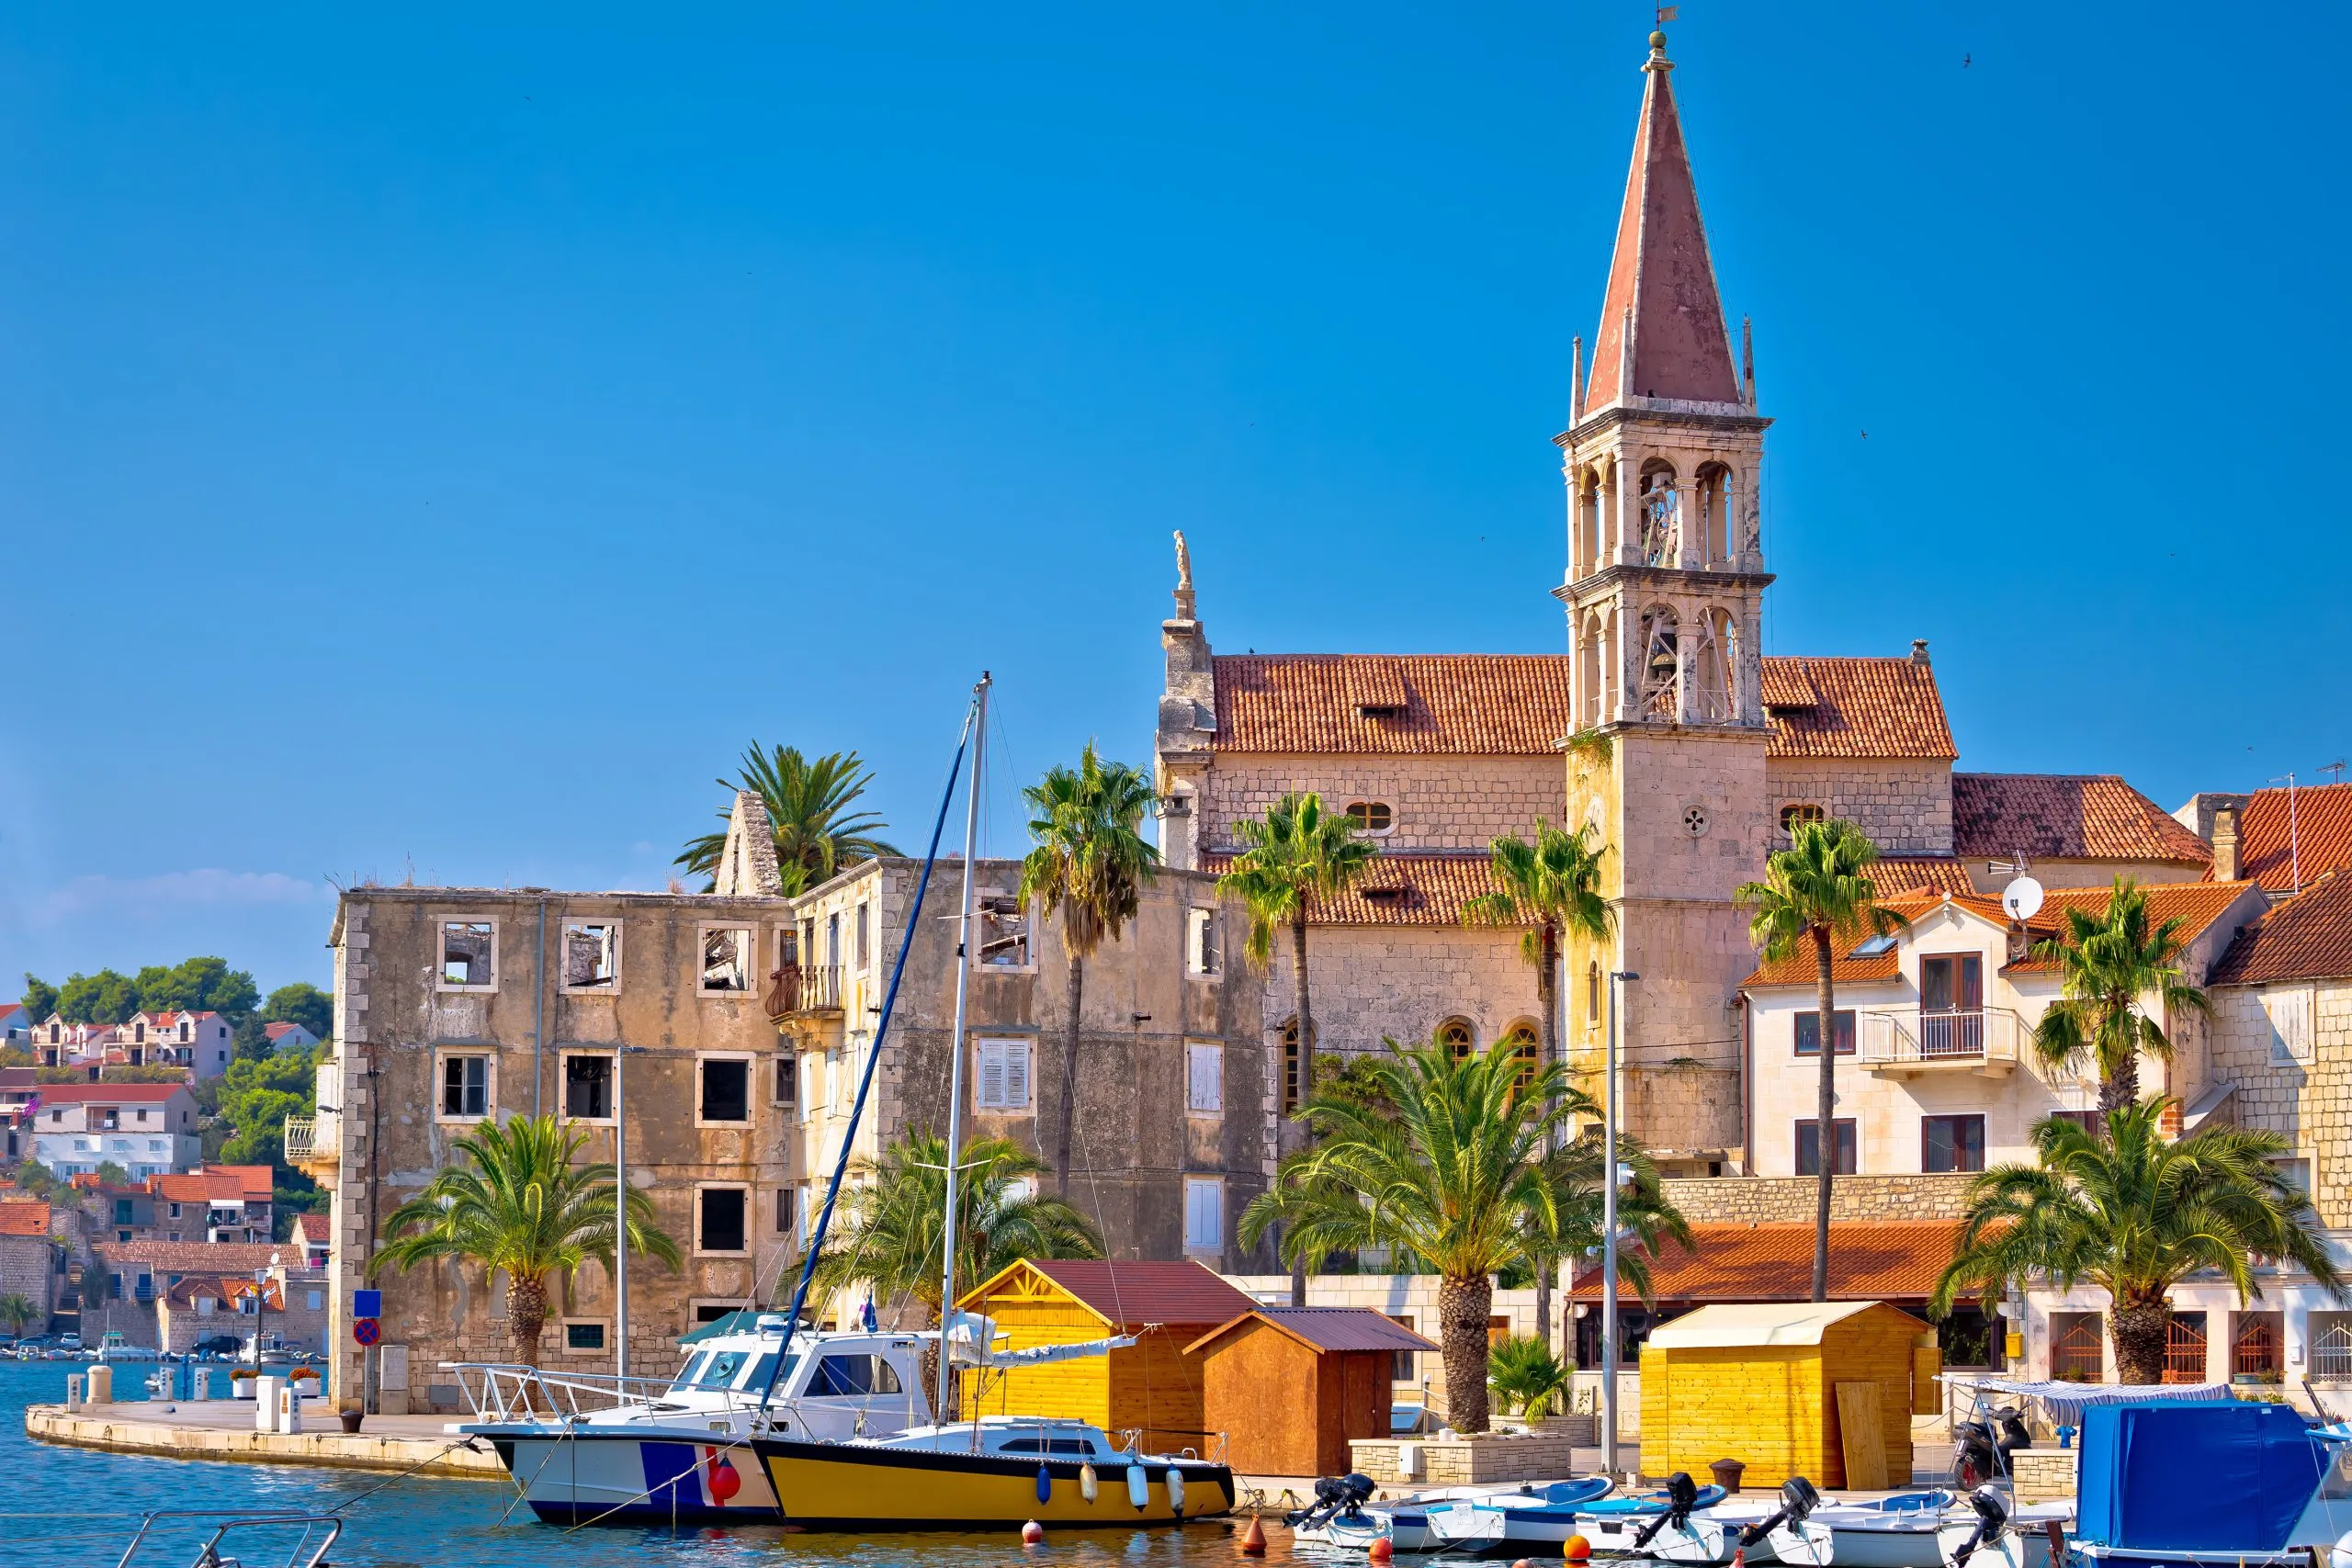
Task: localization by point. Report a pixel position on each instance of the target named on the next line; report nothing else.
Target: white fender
(1087, 1485)
(1176, 1490)
(1139, 1487)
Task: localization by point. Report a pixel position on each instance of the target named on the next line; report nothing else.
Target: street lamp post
(1609, 1229)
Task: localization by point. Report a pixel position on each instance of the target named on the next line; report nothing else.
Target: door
(1363, 1410)
(1952, 1005)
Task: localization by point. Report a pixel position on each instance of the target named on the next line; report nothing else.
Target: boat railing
(310, 1548)
(504, 1391)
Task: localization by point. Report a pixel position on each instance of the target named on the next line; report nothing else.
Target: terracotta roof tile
(256, 1180)
(1860, 707)
(1798, 968)
(1902, 873)
(2066, 816)
(313, 1228)
(109, 1093)
(1881, 1260)
(1401, 889)
(1466, 704)
(1128, 1293)
(24, 1219)
(2317, 831)
(202, 1256)
(2196, 904)
(2307, 938)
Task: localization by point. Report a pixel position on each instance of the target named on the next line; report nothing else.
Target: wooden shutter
(1206, 1090)
(1016, 1073)
(992, 1072)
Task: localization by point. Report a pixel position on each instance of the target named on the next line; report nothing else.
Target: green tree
(103, 997)
(2135, 1214)
(1090, 862)
(35, 1178)
(1528, 1376)
(252, 1101)
(301, 1003)
(40, 996)
(520, 1203)
(1817, 891)
(1457, 1172)
(112, 1175)
(1552, 887)
(18, 1310)
(2106, 962)
(197, 984)
(890, 1234)
(809, 806)
(1298, 855)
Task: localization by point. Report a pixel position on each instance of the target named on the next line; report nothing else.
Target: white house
(202, 1042)
(149, 1129)
(289, 1036)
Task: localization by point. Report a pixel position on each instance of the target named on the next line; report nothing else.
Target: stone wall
(26, 1270)
(1438, 802)
(1766, 1199)
(2308, 1102)
(1903, 803)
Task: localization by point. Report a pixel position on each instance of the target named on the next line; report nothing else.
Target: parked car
(218, 1345)
(73, 1341)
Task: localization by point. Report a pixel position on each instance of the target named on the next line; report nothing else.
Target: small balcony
(1982, 1040)
(310, 1144)
(804, 990)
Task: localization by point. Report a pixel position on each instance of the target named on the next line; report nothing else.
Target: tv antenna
(2336, 767)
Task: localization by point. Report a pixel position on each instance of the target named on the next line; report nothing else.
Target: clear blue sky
(443, 439)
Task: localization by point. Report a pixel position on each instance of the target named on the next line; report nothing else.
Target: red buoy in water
(1576, 1549)
(1033, 1533)
(1382, 1550)
(1253, 1540)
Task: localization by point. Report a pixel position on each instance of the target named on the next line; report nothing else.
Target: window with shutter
(1003, 1075)
(1206, 1075)
(2290, 1012)
(1204, 1214)
(1016, 1073)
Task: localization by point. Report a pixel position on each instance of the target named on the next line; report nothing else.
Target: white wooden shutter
(992, 1074)
(1016, 1075)
(1204, 1214)
(1206, 1076)
(2290, 1023)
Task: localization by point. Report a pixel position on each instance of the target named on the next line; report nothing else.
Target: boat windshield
(690, 1371)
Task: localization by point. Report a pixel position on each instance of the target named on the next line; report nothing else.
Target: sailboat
(998, 1471)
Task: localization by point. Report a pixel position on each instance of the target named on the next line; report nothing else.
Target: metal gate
(2185, 1348)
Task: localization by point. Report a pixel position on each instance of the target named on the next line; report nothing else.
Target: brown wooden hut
(1291, 1386)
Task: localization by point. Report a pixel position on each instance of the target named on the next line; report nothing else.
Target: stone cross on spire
(1662, 322)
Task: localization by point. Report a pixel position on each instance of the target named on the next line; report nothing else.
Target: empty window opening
(1290, 1078)
(468, 949)
(1370, 815)
(592, 955)
(864, 937)
(1002, 1078)
(726, 1089)
(726, 961)
(1003, 929)
(1201, 954)
(465, 1086)
(786, 1090)
(720, 1218)
(588, 1088)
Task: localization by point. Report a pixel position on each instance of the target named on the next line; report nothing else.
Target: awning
(2065, 1401)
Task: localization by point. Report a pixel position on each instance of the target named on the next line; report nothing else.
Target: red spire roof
(1661, 273)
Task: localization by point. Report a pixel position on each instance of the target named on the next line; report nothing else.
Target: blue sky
(441, 440)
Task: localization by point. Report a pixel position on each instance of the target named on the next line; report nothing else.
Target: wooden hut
(1151, 1387)
(1817, 1388)
(1292, 1385)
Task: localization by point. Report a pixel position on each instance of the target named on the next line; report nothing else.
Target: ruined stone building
(747, 1019)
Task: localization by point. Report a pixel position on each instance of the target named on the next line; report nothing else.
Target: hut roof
(1325, 1328)
(1767, 1322)
(1123, 1294)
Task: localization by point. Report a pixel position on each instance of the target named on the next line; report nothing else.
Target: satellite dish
(2022, 898)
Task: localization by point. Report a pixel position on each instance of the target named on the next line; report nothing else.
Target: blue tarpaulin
(2183, 1476)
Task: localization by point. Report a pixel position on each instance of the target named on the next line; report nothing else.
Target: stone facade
(2303, 1096)
(1752, 1200)
(1902, 803)
(1459, 803)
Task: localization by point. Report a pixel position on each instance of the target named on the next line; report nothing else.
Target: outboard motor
(1992, 1519)
(1336, 1494)
(1681, 1496)
(1798, 1500)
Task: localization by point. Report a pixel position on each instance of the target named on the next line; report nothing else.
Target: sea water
(63, 1507)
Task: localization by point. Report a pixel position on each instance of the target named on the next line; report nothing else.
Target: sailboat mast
(956, 1041)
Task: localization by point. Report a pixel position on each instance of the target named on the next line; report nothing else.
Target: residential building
(202, 1041)
(289, 1036)
(311, 1232)
(172, 1295)
(28, 1260)
(17, 1026)
(147, 1129)
(2285, 839)
(63, 1044)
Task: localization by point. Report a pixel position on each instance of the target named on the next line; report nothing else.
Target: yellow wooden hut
(1817, 1388)
(1150, 1387)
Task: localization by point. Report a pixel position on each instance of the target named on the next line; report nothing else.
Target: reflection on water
(71, 1507)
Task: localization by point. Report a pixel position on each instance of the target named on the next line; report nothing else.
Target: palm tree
(1818, 889)
(1552, 885)
(2107, 963)
(520, 1204)
(1448, 1162)
(17, 1310)
(2135, 1214)
(889, 1240)
(1527, 1376)
(1297, 855)
(809, 806)
(1090, 862)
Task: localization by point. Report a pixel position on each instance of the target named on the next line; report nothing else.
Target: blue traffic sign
(367, 1304)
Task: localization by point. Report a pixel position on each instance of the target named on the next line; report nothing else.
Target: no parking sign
(366, 1330)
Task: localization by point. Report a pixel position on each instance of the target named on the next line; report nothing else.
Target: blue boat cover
(2182, 1476)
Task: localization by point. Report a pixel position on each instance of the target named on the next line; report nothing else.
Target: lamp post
(1609, 1229)
(620, 1214)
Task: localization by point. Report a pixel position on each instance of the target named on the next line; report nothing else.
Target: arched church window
(1527, 1045)
(1661, 516)
(1714, 515)
(1456, 1035)
(1711, 669)
(1799, 811)
(1370, 815)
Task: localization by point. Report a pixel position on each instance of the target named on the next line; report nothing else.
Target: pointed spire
(1662, 323)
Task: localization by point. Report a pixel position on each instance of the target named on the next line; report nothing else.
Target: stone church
(1712, 749)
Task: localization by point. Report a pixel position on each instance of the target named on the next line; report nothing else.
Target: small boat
(1685, 1523)
(1339, 1518)
(1929, 1530)
(2211, 1484)
(1500, 1520)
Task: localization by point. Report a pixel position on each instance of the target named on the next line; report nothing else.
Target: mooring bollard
(265, 1403)
(101, 1384)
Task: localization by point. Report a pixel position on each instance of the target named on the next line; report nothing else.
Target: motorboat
(1501, 1520)
(1929, 1530)
(1689, 1524)
(2209, 1483)
(1339, 1516)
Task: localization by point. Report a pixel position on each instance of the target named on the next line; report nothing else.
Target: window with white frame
(725, 1088)
(726, 961)
(1204, 1214)
(588, 1086)
(591, 956)
(1002, 1074)
(465, 1086)
(1204, 1079)
(1201, 954)
(469, 955)
(2288, 1010)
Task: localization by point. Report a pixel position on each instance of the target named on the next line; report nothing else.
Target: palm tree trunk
(526, 1316)
(1069, 1074)
(1547, 995)
(2141, 1329)
(1305, 1071)
(934, 1363)
(1463, 1307)
(2121, 1086)
(1826, 1122)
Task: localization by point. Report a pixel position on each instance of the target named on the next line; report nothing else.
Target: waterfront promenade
(224, 1429)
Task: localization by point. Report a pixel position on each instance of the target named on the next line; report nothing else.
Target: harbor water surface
(68, 1508)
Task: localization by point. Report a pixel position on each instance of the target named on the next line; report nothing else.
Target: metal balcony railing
(1922, 1038)
(799, 989)
(301, 1138)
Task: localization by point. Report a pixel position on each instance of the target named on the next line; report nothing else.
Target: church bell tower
(1665, 594)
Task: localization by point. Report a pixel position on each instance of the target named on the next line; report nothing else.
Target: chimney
(2225, 843)
(1919, 651)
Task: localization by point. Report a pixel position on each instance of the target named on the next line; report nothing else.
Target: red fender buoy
(1033, 1533)
(1382, 1550)
(1253, 1540)
(1576, 1549)
(1522, 1563)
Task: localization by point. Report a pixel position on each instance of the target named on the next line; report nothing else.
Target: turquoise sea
(69, 1508)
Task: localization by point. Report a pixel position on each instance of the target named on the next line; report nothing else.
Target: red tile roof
(1467, 703)
(24, 1219)
(2306, 938)
(1400, 890)
(202, 1256)
(2317, 831)
(1882, 1259)
(1325, 1328)
(313, 1228)
(258, 1182)
(2196, 904)
(201, 1187)
(1129, 1294)
(1903, 873)
(1855, 707)
(1799, 967)
(2066, 816)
